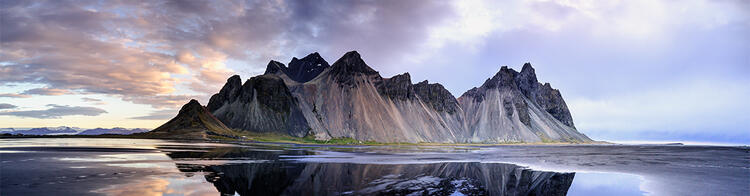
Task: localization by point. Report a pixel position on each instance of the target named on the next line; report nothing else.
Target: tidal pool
(76, 166)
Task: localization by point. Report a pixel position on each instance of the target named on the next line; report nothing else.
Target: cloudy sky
(629, 70)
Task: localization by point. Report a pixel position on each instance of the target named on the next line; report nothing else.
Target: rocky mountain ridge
(349, 99)
(527, 108)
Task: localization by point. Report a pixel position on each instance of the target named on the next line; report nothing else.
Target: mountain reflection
(271, 176)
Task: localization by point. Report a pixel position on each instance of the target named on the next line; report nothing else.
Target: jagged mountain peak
(234, 78)
(309, 57)
(398, 87)
(505, 77)
(528, 73)
(352, 63)
(509, 78)
(351, 54)
(349, 66)
(307, 68)
(275, 67)
(190, 105)
(436, 96)
(404, 76)
(525, 83)
(527, 67)
(426, 82)
(226, 94)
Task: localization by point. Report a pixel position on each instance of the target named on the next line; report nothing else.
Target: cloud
(387, 33)
(14, 95)
(162, 48)
(7, 106)
(65, 46)
(693, 106)
(56, 111)
(161, 101)
(157, 115)
(87, 99)
(45, 91)
(93, 100)
(36, 91)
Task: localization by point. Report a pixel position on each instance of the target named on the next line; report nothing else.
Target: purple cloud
(56, 111)
(4, 106)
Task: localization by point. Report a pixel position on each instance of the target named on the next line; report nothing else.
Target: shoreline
(280, 139)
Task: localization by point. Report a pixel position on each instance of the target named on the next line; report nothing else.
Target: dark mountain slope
(192, 122)
(262, 104)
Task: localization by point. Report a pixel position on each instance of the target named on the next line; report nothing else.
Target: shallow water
(76, 166)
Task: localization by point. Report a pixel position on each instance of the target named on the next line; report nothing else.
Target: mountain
(350, 99)
(192, 122)
(112, 131)
(262, 104)
(517, 103)
(300, 70)
(61, 130)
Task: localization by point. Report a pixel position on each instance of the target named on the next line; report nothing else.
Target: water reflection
(168, 184)
(612, 184)
(157, 167)
(272, 176)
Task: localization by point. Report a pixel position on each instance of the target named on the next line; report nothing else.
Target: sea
(101, 166)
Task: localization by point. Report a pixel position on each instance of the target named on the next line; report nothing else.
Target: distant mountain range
(63, 130)
(349, 99)
(112, 131)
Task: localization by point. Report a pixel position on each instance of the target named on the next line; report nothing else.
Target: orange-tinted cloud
(149, 54)
(14, 95)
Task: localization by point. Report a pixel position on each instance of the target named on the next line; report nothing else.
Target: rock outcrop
(350, 99)
(262, 104)
(192, 122)
(514, 107)
(299, 70)
(307, 68)
(545, 96)
(437, 97)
